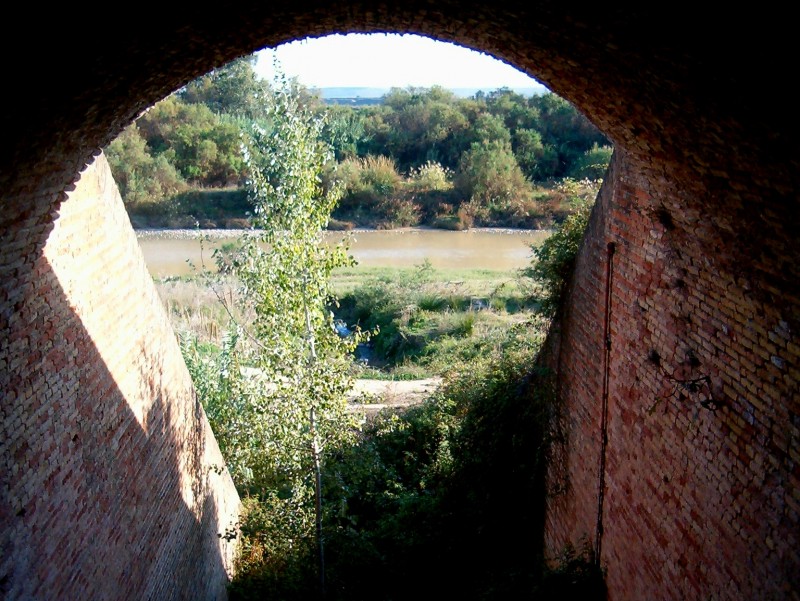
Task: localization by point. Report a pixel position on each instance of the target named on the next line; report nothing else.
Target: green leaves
(554, 260)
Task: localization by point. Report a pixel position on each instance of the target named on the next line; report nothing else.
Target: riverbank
(223, 234)
(171, 253)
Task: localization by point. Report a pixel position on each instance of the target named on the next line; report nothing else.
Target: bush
(379, 176)
(439, 490)
(141, 178)
(593, 164)
(497, 189)
(451, 491)
(374, 193)
(554, 260)
(339, 225)
(430, 177)
(450, 222)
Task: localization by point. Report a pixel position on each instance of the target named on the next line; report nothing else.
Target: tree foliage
(531, 142)
(592, 164)
(498, 190)
(275, 423)
(203, 146)
(233, 89)
(554, 259)
(140, 176)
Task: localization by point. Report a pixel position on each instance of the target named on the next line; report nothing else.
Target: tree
(233, 89)
(344, 127)
(140, 177)
(203, 146)
(494, 183)
(528, 149)
(565, 131)
(593, 164)
(296, 403)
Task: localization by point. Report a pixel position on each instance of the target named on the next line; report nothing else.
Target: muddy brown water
(172, 252)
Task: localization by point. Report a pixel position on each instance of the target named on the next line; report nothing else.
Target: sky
(389, 60)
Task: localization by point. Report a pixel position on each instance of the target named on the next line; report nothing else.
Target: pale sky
(389, 60)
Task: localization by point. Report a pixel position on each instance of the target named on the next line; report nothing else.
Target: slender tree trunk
(318, 500)
(315, 454)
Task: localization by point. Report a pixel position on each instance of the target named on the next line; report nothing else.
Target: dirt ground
(380, 394)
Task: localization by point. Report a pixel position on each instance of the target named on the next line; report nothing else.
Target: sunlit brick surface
(701, 481)
(108, 482)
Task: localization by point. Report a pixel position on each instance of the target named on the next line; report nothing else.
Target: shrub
(465, 325)
(396, 212)
(379, 176)
(430, 177)
(374, 192)
(493, 181)
(450, 222)
(141, 178)
(340, 225)
(554, 260)
(593, 164)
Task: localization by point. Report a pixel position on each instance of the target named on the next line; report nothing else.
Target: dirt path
(380, 394)
(391, 393)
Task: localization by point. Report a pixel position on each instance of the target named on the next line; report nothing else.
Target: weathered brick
(56, 442)
(734, 340)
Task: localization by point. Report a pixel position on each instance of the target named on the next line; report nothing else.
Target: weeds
(436, 494)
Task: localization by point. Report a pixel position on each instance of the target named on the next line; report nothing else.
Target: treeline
(422, 156)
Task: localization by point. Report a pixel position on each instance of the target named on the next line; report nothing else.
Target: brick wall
(701, 483)
(108, 487)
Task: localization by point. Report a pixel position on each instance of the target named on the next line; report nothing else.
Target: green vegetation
(443, 499)
(554, 260)
(276, 423)
(420, 157)
(425, 317)
(425, 324)
(449, 491)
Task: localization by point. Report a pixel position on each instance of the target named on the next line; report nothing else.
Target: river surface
(168, 252)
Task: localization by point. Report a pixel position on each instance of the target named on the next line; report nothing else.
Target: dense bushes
(142, 178)
(498, 191)
(422, 156)
(444, 500)
(375, 193)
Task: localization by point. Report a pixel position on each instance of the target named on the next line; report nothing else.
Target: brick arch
(700, 207)
(651, 82)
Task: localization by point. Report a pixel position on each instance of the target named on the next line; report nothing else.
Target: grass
(466, 281)
(427, 320)
(427, 326)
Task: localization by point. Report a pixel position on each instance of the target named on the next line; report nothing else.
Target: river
(168, 252)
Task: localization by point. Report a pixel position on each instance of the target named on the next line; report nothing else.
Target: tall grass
(423, 315)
